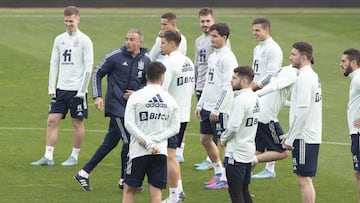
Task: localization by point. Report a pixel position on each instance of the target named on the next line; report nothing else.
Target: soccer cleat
(84, 182)
(182, 196)
(205, 165)
(217, 185)
(180, 158)
(214, 179)
(167, 200)
(43, 162)
(264, 174)
(71, 161)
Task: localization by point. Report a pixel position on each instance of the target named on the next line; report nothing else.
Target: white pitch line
(104, 131)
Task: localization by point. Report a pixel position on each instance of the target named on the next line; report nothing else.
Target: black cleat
(84, 182)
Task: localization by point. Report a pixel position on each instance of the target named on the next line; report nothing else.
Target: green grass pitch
(25, 45)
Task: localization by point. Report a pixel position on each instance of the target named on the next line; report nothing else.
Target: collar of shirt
(354, 73)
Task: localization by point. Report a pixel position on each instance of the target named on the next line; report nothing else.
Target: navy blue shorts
(355, 151)
(238, 170)
(211, 128)
(268, 137)
(175, 141)
(305, 158)
(154, 166)
(66, 100)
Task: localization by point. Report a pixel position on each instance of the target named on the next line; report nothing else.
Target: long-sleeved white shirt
(203, 49)
(267, 60)
(151, 115)
(306, 108)
(179, 81)
(273, 95)
(240, 133)
(156, 54)
(72, 59)
(217, 95)
(353, 111)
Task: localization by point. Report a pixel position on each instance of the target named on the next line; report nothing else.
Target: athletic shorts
(212, 128)
(154, 166)
(238, 170)
(268, 137)
(175, 141)
(355, 150)
(305, 158)
(66, 100)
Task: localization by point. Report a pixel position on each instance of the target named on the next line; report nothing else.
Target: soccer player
(179, 82)
(151, 117)
(304, 136)
(167, 22)
(239, 136)
(272, 97)
(124, 68)
(71, 64)
(214, 105)
(203, 49)
(350, 65)
(267, 60)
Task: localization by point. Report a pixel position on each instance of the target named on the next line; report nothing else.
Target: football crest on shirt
(141, 64)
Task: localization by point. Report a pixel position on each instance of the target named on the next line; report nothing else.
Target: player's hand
(357, 123)
(197, 113)
(52, 95)
(213, 117)
(285, 146)
(127, 94)
(99, 105)
(155, 150)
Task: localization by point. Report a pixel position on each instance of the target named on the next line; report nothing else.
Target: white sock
(180, 186)
(75, 153)
(49, 152)
(223, 175)
(270, 166)
(174, 195)
(218, 167)
(83, 173)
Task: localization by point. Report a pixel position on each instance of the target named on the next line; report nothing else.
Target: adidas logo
(125, 63)
(156, 101)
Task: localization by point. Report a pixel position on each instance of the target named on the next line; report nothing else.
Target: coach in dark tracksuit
(125, 73)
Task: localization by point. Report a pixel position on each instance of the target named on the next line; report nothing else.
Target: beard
(347, 70)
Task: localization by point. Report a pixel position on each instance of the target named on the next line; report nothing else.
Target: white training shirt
(203, 49)
(353, 111)
(273, 95)
(72, 59)
(217, 95)
(156, 54)
(267, 60)
(240, 133)
(151, 115)
(179, 81)
(306, 108)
